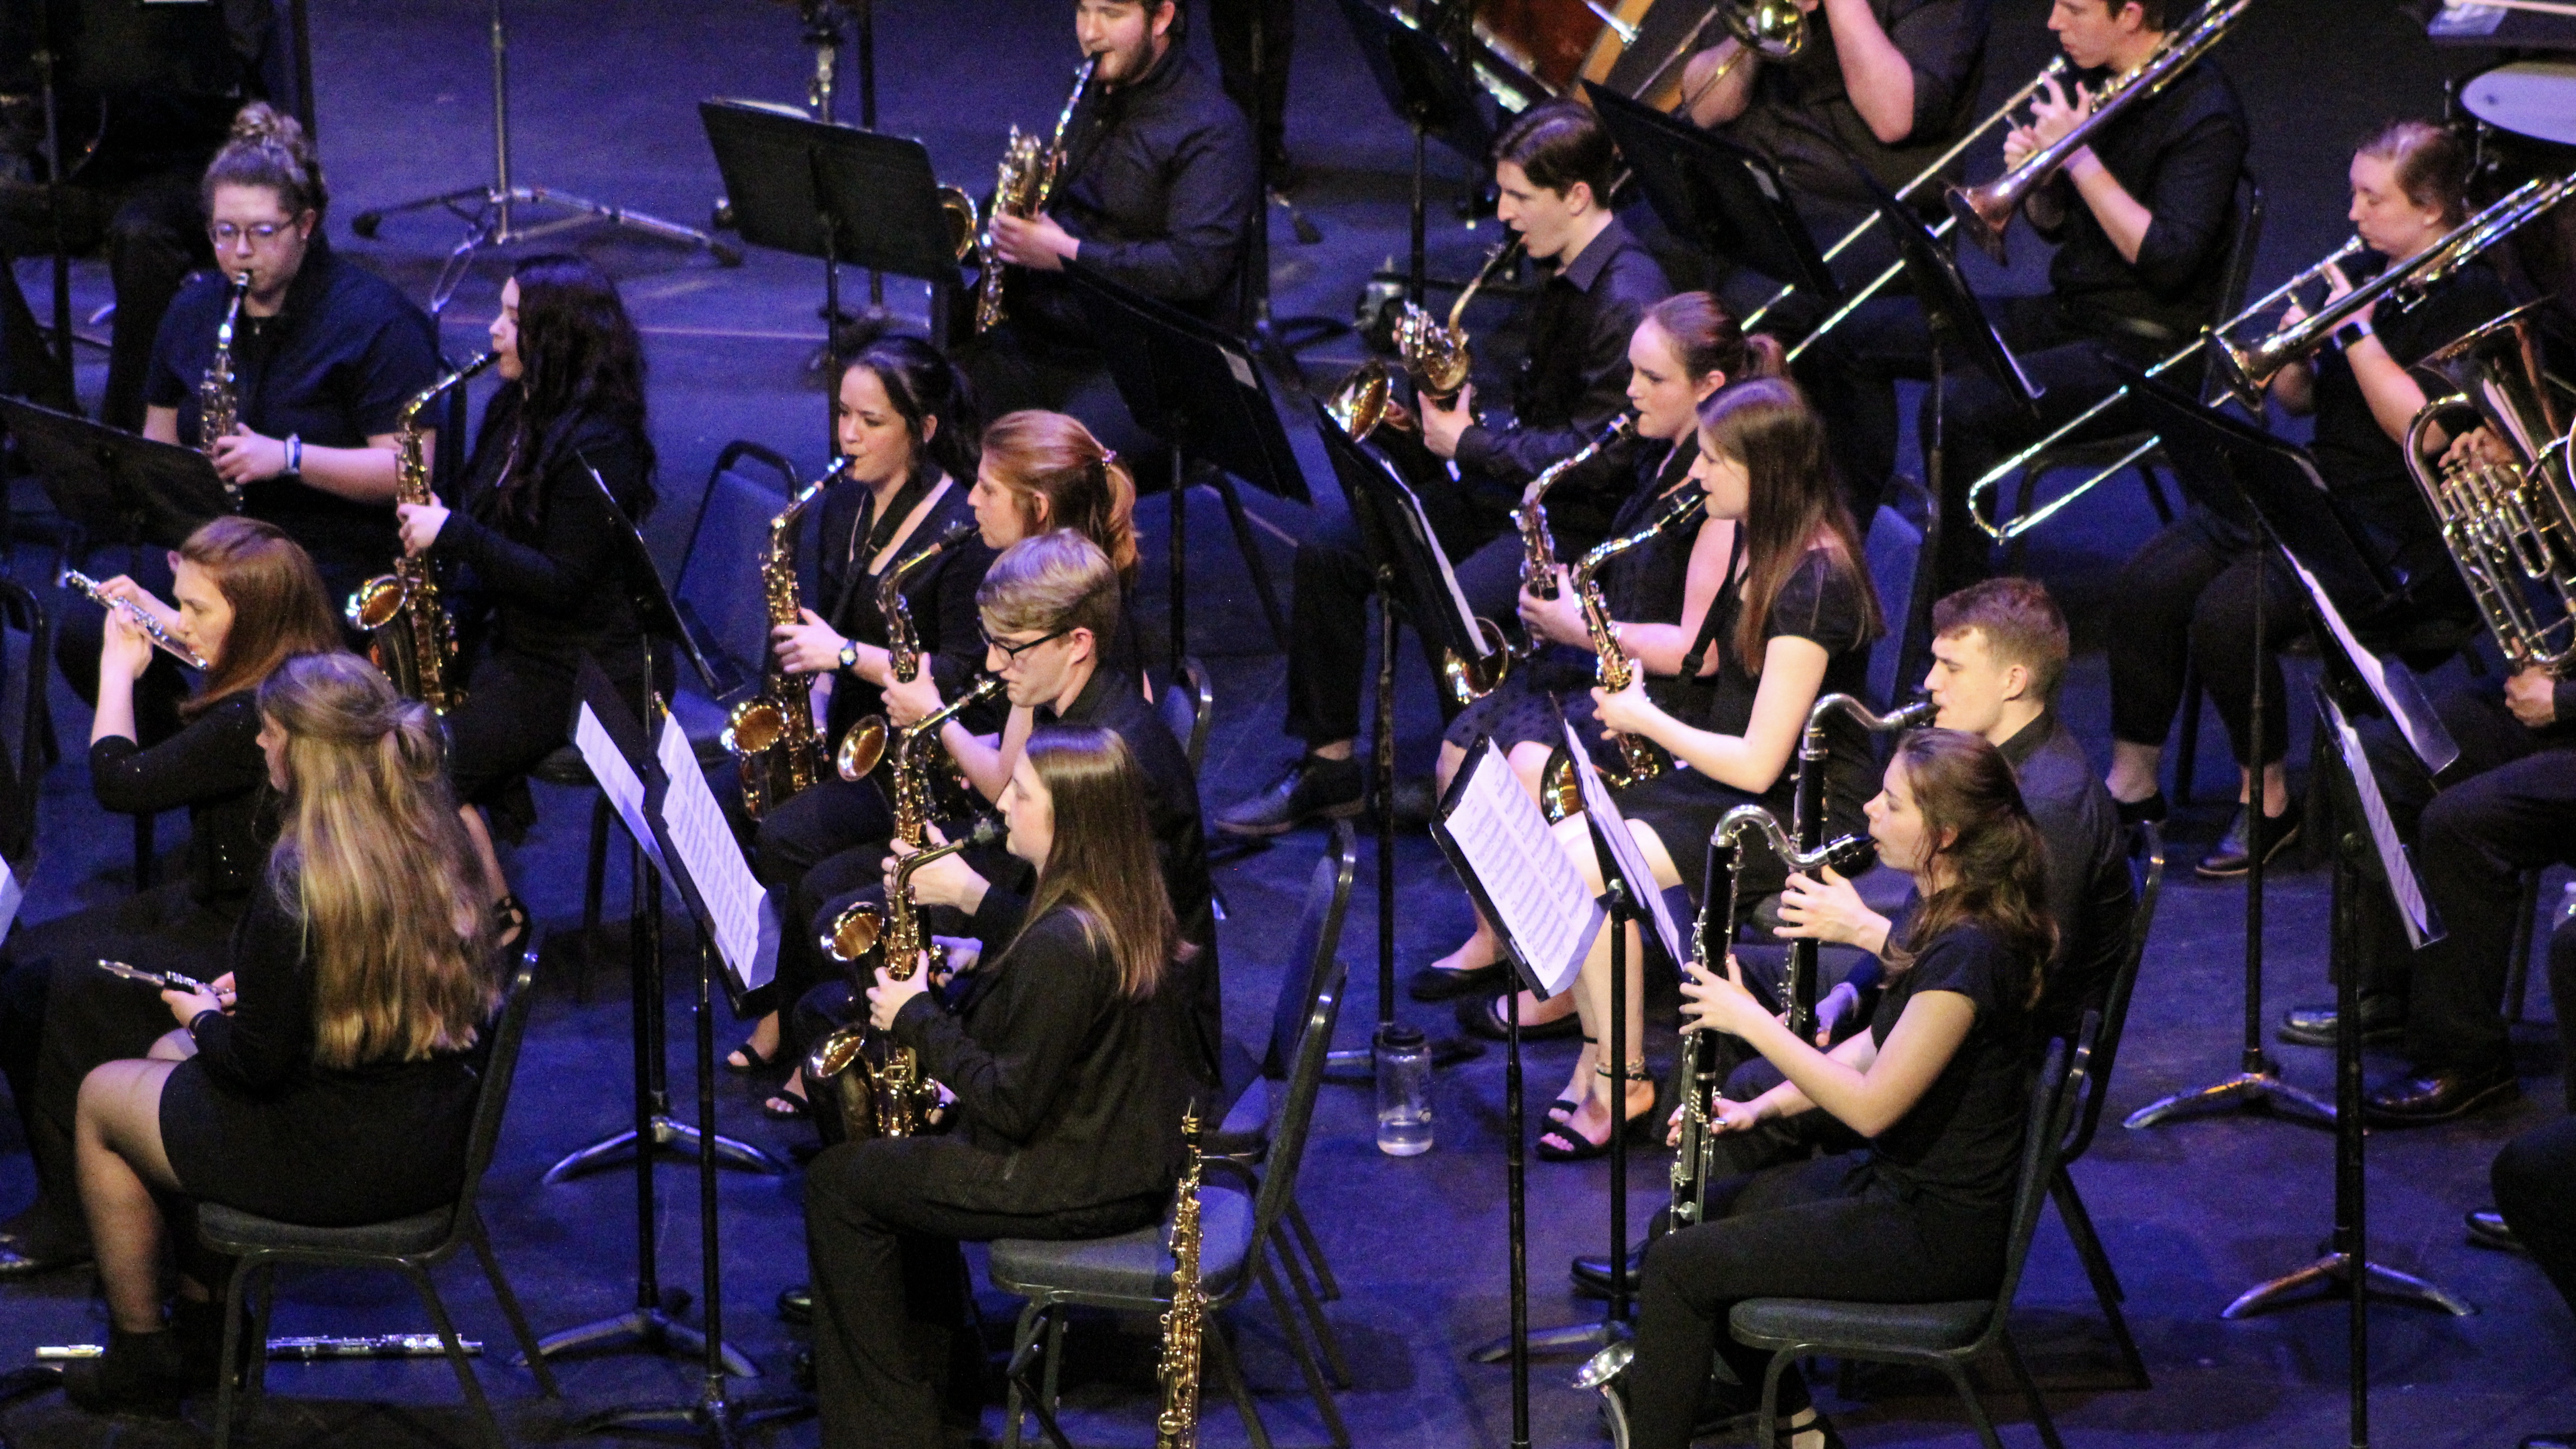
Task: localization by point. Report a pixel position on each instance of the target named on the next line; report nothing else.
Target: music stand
(1201, 393)
(1434, 96)
(112, 484)
(836, 193)
(1716, 195)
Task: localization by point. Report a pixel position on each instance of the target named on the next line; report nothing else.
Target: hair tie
(1107, 457)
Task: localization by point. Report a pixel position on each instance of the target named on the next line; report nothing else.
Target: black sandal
(785, 1106)
(753, 1062)
(1639, 1125)
(1562, 1109)
(509, 920)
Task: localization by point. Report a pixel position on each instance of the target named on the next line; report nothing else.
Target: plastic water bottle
(1403, 1091)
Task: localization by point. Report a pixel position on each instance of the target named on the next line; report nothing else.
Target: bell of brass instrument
(1639, 760)
(863, 744)
(771, 735)
(1985, 213)
(1359, 404)
(872, 1087)
(1021, 187)
(218, 393)
(409, 635)
(162, 639)
(1439, 355)
(1770, 29)
(964, 220)
(2249, 369)
(2510, 526)
(1177, 1426)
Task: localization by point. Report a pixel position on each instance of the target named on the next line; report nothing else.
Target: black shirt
(157, 85)
(1962, 1142)
(334, 367)
(1573, 378)
(940, 595)
(215, 768)
(1821, 601)
(550, 568)
(2178, 154)
(2089, 890)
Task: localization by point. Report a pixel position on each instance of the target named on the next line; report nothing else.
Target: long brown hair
(373, 858)
(1102, 866)
(280, 608)
(1793, 502)
(1998, 862)
(1087, 489)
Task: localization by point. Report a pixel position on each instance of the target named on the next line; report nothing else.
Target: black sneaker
(1313, 789)
(2383, 1021)
(2230, 858)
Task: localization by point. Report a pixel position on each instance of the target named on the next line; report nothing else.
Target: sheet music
(2403, 887)
(2436, 754)
(13, 893)
(617, 779)
(735, 901)
(1539, 902)
(1630, 860)
(1448, 576)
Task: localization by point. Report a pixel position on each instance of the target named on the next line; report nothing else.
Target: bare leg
(2276, 788)
(2134, 771)
(763, 1040)
(495, 883)
(176, 1046)
(116, 1143)
(1334, 750)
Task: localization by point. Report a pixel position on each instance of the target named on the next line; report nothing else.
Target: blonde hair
(1087, 489)
(1058, 580)
(373, 858)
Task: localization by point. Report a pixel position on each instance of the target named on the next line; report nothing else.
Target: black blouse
(213, 767)
(1822, 601)
(1648, 584)
(1961, 1143)
(552, 573)
(940, 596)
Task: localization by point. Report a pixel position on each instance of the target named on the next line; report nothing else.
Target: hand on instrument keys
(1443, 426)
(420, 524)
(187, 1006)
(2055, 109)
(1558, 620)
(124, 651)
(888, 996)
(242, 456)
(122, 587)
(947, 881)
(807, 647)
(1829, 908)
(1629, 711)
(1035, 242)
(2478, 445)
(1711, 1002)
(910, 704)
(2532, 695)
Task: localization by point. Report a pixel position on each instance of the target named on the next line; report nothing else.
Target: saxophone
(875, 1088)
(1021, 187)
(771, 735)
(863, 746)
(218, 397)
(912, 801)
(1639, 759)
(1538, 545)
(409, 634)
(1440, 356)
(1177, 1427)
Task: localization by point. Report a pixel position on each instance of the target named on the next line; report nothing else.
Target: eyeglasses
(226, 234)
(1012, 652)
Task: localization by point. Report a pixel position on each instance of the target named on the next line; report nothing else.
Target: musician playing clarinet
(1554, 166)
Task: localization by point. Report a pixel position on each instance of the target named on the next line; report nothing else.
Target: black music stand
(112, 484)
(836, 193)
(1714, 194)
(1413, 577)
(1433, 94)
(1199, 391)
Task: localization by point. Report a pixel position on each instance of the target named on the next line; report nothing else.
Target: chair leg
(456, 1359)
(1220, 1353)
(2154, 480)
(593, 884)
(1252, 561)
(1976, 1405)
(226, 1395)
(1305, 1356)
(1054, 1386)
(2039, 1416)
(255, 1366)
(2097, 1266)
(1766, 1427)
(509, 1301)
(1324, 1281)
(1314, 1310)
(1023, 1334)
(2517, 970)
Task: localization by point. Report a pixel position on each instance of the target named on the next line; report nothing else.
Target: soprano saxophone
(409, 634)
(1022, 187)
(218, 395)
(771, 735)
(1177, 1426)
(864, 745)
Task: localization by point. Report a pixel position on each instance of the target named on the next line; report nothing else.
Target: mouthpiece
(1852, 854)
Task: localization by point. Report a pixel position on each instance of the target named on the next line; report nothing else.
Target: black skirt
(342, 1149)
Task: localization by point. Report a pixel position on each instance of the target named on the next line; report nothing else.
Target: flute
(162, 639)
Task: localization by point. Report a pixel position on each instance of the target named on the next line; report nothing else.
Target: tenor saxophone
(218, 392)
(1177, 1426)
(911, 784)
(1559, 796)
(863, 745)
(771, 735)
(1022, 187)
(409, 635)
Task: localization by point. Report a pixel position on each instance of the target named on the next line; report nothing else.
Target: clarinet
(1809, 816)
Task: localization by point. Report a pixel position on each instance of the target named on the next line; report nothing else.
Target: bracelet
(199, 1019)
(294, 453)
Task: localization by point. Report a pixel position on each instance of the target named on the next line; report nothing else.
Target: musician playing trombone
(2190, 590)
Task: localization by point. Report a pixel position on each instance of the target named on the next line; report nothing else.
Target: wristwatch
(2349, 335)
(850, 656)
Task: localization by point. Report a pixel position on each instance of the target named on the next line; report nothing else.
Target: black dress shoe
(1483, 1016)
(2488, 1229)
(796, 1304)
(1433, 983)
(2231, 857)
(2383, 1021)
(2439, 1095)
(1314, 788)
(2141, 812)
(801, 1369)
(1591, 1273)
(141, 1373)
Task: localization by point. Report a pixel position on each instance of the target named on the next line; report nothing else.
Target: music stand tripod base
(2260, 1088)
(2333, 1272)
(669, 1135)
(656, 1329)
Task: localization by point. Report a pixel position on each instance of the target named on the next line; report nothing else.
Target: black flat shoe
(30, 1260)
(2439, 1095)
(1483, 1016)
(796, 1305)
(2141, 812)
(141, 1373)
(2232, 857)
(1784, 1437)
(2488, 1229)
(1591, 1273)
(1434, 983)
(2383, 1022)
(2551, 1441)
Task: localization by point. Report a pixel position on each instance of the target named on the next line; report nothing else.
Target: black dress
(1825, 602)
(252, 1123)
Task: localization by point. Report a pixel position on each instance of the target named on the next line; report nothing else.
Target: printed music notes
(2390, 683)
(1494, 835)
(2422, 929)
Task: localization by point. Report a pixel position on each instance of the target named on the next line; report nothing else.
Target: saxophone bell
(855, 932)
(861, 748)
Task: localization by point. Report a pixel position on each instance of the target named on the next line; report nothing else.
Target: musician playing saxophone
(2190, 589)
(562, 463)
(1065, 1066)
(1554, 166)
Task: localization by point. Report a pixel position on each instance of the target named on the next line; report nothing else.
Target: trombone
(1994, 477)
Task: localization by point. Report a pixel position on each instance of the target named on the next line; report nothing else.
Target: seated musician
(562, 464)
(1157, 193)
(1939, 1086)
(1064, 1078)
(1554, 167)
(1682, 353)
(337, 1088)
(325, 354)
(248, 600)
(2191, 588)
(2534, 1177)
(2140, 217)
(1792, 622)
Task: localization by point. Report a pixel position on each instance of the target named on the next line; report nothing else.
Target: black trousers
(2188, 600)
(153, 228)
(824, 823)
(2535, 1188)
(1231, 24)
(1823, 1229)
(2507, 806)
(890, 1290)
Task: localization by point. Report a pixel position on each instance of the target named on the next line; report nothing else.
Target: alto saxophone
(771, 735)
(1538, 544)
(409, 634)
(912, 802)
(874, 1087)
(863, 746)
(1177, 1426)
(1022, 187)
(218, 393)
(1439, 355)
(1639, 760)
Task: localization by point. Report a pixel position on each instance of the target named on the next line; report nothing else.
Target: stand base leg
(2333, 1273)
(714, 1419)
(670, 1136)
(656, 1330)
(2253, 1091)
(490, 223)
(1571, 1340)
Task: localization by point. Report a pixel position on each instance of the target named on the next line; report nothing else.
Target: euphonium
(162, 639)
(864, 743)
(875, 1088)
(1985, 213)
(771, 735)
(2510, 526)
(1438, 355)
(409, 635)
(1021, 188)
(218, 395)
(1639, 760)
(1177, 1426)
